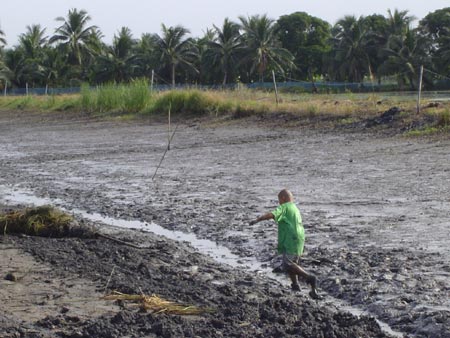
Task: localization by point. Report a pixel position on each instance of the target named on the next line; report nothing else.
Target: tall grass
(136, 98)
(192, 102)
(111, 98)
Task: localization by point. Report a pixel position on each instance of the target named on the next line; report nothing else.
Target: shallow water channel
(219, 253)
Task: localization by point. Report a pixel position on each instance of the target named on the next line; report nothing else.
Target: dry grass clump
(156, 304)
(38, 221)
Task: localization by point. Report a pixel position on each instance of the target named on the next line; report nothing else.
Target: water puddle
(219, 253)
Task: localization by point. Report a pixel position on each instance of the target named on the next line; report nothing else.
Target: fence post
(6, 87)
(275, 86)
(419, 93)
(168, 131)
(151, 82)
(26, 88)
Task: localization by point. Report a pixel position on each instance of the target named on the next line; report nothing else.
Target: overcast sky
(146, 16)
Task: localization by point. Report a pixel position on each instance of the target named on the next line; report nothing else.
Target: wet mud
(375, 209)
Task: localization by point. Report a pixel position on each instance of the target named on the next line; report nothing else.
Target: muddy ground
(375, 206)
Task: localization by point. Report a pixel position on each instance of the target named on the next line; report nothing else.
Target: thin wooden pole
(164, 155)
(6, 87)
(168, 131)
(275, 86)
(153, 79)
(419, 93)
(26, 88)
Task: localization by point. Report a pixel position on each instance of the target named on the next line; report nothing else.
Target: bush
(187, 102)
(444, 119)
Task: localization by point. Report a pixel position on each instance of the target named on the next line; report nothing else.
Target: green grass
(113, 98)
(423, 132)
(443, 118)
(126, 101)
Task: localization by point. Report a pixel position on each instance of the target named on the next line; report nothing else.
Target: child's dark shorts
(289, 260)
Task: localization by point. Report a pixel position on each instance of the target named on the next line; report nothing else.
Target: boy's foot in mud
(312, 280)
(314, 295)
(278, 269)
(295, 287)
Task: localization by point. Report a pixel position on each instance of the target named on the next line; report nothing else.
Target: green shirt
(291, 234)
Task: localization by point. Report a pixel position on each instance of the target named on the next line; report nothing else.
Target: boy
(291, 239)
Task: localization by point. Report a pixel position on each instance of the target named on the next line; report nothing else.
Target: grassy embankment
(135, 99)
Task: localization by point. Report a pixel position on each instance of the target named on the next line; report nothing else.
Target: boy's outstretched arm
(264, 217)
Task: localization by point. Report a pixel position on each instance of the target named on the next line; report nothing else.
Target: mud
(375, 208)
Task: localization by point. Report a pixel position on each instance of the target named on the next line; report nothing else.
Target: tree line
(296, 46)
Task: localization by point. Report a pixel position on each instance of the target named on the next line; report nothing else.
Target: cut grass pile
(156, 304)
(38, 221)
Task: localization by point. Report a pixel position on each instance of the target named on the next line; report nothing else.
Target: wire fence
(439, 83)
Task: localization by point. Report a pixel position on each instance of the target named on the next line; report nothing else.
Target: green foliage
(87, 98)
(297, 45)
(136, 96)
(22, 102)
(307, 38)
(444, 119)
(110, 98)
(264, 51)
(422, 132)
(311, 110)
(185, 101)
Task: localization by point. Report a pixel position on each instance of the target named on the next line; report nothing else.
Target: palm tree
(176, 50)
(54, 66)
(225, 49)
(405, 49)
(264, 50)
(33, 41)
(74, 33)
(2, 39)
(118, 62)
(4, 71)
(405, 54)
(15, 66)
(350, 47)
(146, 53)
(398, 22)
(207, 73)
(32, 44)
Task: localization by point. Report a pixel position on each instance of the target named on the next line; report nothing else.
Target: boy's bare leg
(293, 277)
(295, 269)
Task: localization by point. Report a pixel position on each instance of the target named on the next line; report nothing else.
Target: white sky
(146, 16)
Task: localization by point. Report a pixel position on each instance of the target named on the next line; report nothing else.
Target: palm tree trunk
(224, 79)
(173, 75)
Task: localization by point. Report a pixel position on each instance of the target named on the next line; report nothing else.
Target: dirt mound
(244, 305)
